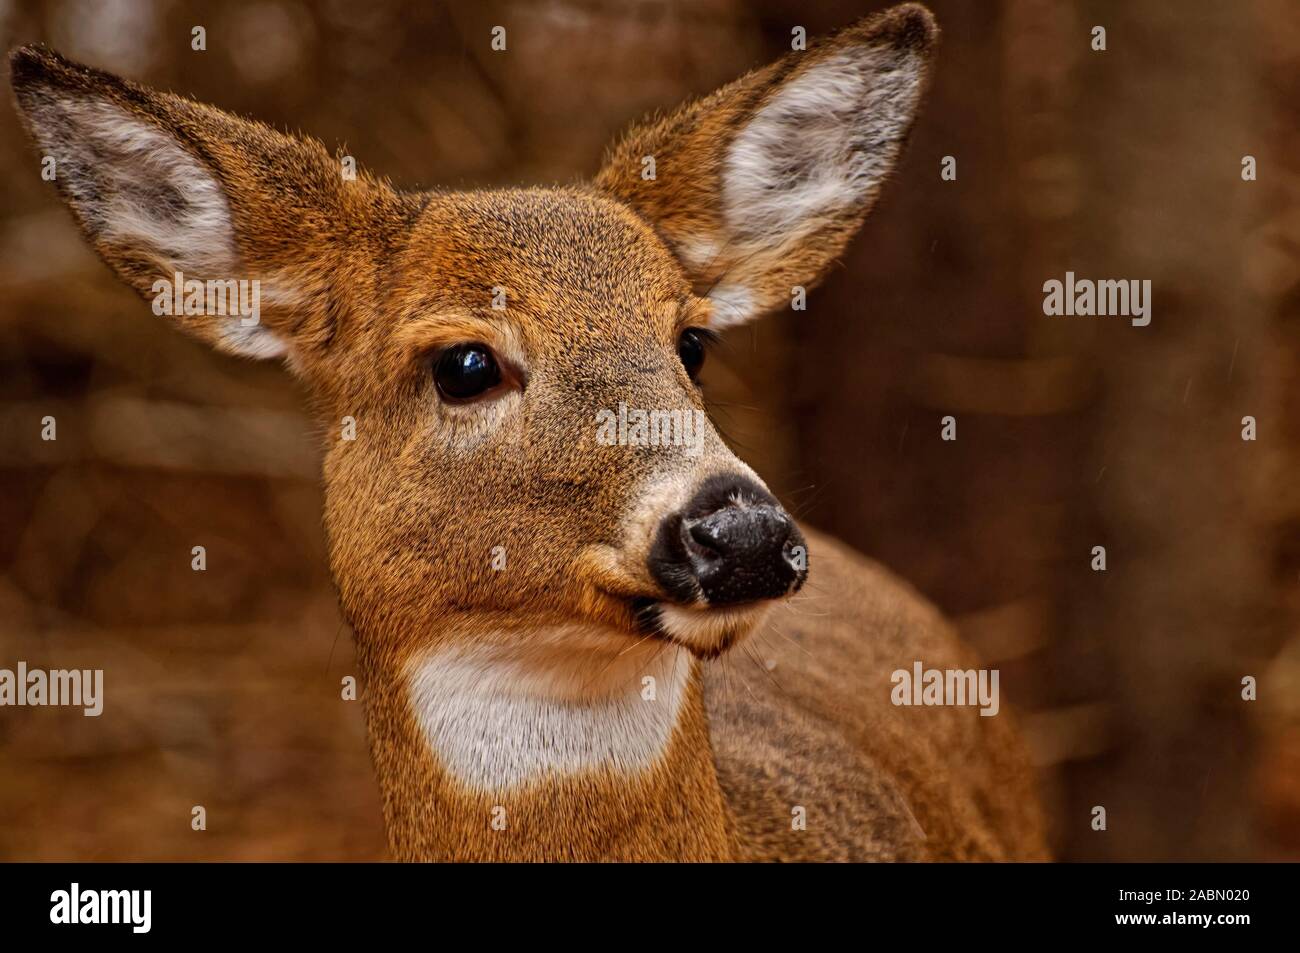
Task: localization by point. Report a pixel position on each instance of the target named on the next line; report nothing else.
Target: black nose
(732, 543)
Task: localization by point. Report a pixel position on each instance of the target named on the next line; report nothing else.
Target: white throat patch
(562, 701)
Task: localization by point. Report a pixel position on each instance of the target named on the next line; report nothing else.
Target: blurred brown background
(223, 687)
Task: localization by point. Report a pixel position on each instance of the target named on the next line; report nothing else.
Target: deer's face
(515, 438)
(488, 477)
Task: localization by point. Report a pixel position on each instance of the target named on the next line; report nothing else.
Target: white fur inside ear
(822, 145)
(140, 190)
(144, 197)
(251, 341)
(732, 305)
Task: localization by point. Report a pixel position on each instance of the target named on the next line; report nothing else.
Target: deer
(541, 619)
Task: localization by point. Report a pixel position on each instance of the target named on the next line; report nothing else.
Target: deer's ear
(165, 189)
(759, 186)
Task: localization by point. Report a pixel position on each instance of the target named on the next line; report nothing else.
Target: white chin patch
(557, 702)
(710, 631)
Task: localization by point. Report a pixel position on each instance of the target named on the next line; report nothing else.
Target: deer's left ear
(163, 186)
(759, 186)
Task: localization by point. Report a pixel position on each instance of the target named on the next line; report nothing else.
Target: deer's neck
(568, 743)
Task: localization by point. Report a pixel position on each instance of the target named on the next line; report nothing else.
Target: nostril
(708, 537)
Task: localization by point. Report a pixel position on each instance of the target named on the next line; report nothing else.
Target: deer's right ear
(169, 191)
(759, 186)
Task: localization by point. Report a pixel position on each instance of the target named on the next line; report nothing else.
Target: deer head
(481, 360)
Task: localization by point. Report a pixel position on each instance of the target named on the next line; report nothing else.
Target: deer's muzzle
(731, 544)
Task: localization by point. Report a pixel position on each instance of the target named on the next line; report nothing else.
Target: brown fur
(819, 730)
(675, 812)
(685, 146)
(599, 286)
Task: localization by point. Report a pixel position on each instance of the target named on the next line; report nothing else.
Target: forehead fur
(568, 260)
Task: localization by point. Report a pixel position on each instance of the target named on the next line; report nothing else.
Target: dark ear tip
(907, 26)
(36, 65)
(29, 63)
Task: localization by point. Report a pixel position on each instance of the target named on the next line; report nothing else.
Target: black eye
(465, 371)
(690, 348)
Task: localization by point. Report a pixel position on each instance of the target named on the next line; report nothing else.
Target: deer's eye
(690, 348)
(464, 371)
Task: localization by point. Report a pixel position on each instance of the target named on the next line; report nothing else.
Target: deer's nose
(733, 543)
